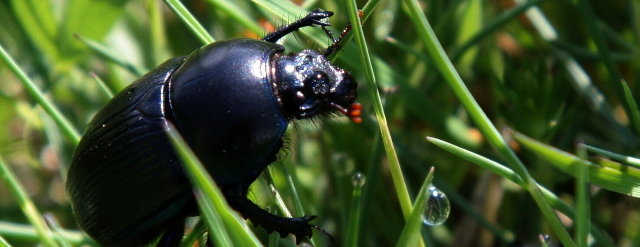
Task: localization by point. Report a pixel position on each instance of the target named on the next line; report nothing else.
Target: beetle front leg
(315, 17)
(299, 227)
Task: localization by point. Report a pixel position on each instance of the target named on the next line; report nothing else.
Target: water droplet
(438, 207)
(358, 179)
(546, 239)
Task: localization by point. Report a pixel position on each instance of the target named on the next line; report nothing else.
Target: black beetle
(232, 101)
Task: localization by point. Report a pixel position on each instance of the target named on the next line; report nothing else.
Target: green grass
(518, 108)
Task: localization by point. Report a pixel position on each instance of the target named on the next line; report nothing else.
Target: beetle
(232, 102)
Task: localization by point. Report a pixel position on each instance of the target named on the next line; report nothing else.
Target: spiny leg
(299, 227)
(336, 42)
(315, 17)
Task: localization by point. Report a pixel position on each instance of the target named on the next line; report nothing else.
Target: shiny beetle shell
(232, 101)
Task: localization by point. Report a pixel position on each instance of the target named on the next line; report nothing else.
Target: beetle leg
(335, 46)
(236, 196)
(299, 227)
(336, 42)
(315, 17)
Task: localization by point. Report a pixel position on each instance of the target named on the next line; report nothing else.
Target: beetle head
(307, 85)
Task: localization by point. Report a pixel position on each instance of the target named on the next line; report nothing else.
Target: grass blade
(190, 21)
(633, 106)
(394, 163)
(103, 87)
(27, 206)
(583, 208)
(237, 14)
(622, 158)
(214, 207)
(355, 211)
(607, 174)
(29, 233)
(111, 56)
(4, 242)
(507, 173)
(196, 233)
(39, 97)
(411, 232)
(493, 25)
(444, 65)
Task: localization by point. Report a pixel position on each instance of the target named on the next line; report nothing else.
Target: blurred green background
(555, 76)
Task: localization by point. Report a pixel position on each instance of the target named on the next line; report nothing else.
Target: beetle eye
(319, 83)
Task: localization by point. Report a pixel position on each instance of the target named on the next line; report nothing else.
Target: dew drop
(546, 239)
(438, 207)
(358, 179)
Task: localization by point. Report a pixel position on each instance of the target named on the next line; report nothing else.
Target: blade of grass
(53, 224)
(291, 180)
(195, 234)
(103, 87)
(355, 211)
(590, 20)
(491, 26)
(583, 209)
(111, 56)
(28, 208)
(610, 175)
(444, 65)
(214, 207)
(274, 239)
(39, 97)
(39, 23)
(237, 14)
(635, 113)
(279, 202)
(24, 232)
(157, 32)
(392, 157)
(411, 232)
(394, 164)
(507, 173)
(585, 54)
(92, 19)
(582, 81)
(4, 242)
(55, 138)
(218, 232)
(190, 21)
(622, 158)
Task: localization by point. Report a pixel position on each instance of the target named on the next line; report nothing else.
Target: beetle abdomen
(124, 177)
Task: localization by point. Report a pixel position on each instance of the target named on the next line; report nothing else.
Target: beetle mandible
(232, 101)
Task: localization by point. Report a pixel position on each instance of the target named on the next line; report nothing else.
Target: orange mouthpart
(354, 112)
